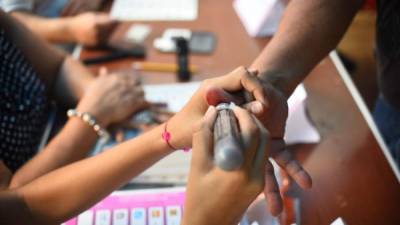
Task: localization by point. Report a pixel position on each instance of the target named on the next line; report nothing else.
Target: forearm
(68, 191)
(72, 143)
(71, 82)
(55, 30)
(308, 31)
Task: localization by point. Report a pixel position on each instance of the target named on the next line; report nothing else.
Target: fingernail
(256, 108)
(253, 71)
(210, 109)
(232, 105)
(285, 182)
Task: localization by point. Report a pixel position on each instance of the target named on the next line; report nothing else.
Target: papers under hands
(175, 95)
(298, 127)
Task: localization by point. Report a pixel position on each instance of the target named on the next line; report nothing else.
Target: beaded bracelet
(90, 120)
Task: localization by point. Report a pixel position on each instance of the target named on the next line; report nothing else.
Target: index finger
(286, 160)
(242, 79)
(250, 135)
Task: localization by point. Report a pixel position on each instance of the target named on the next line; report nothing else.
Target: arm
(55, 30)
(65, 78)
(307, 32)
(72, 82)
(40, 201)
(107, 93)
(89, 29)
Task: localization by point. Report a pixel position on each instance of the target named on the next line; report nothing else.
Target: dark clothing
(388, 50)
(387, 108)
(387, 119)
(23, 106)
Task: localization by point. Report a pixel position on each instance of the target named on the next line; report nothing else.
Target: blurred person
(78, 24)
(32, 74)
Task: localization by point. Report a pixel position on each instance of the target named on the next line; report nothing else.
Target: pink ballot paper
(136, 207)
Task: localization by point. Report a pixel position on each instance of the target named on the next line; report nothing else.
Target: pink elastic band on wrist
(166, 136)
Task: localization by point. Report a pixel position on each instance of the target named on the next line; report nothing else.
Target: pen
(160, 67)
(136, 52)
(228, 146)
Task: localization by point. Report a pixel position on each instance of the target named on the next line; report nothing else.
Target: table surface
(352, 178)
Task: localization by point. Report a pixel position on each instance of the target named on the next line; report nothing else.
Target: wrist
(79, 124)
(281, 82)
(158, 142)
(100, 119)
(90, 121)
(177, 134)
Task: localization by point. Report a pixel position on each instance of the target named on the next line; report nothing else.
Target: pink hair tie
(166, 136)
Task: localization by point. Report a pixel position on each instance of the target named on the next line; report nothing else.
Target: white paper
(172, 169)
(298, 127)
(176, 95)
(150, 10)
(137, 33)
(257, 214)
(338, 221)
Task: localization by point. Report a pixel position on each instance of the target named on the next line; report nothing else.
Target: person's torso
(23, 108)
(388, 50)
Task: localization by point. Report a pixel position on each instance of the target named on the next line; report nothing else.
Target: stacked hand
(269, 106)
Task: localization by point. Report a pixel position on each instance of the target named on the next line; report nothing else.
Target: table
(352, 177)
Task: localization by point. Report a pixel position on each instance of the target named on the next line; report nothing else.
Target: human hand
(211, 190)
(112, 98)
(211, 91)
(92, 29)
(220, 89)
(273, 114)
(75, 7)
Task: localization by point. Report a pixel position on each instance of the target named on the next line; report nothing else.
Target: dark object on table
(202, 42)
(135, 52)
(182, 54)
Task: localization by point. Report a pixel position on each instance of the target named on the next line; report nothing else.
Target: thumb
(255, 107)
(203, 141)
